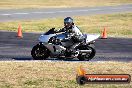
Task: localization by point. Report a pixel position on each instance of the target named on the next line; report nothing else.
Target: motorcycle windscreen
(61, 36)
(45, 38)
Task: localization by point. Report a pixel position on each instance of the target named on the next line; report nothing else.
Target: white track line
(21, 13)
(5, 14)
(69, 11)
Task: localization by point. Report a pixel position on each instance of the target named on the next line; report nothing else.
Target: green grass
(117, 25)
(20, 4)
(41, 74)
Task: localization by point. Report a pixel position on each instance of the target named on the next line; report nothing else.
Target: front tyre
(39, 52)
(87, 56)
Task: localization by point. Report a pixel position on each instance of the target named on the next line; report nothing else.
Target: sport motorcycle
(62, 46)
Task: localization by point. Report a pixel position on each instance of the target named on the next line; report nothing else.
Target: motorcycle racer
(73, 33)
(72, 30)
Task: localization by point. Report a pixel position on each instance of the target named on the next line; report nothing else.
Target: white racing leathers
(77, 34)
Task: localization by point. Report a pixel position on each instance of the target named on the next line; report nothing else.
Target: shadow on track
(95, 59)
(22, 59)
(49, 59)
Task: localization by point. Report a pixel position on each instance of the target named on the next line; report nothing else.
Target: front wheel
(87, 56)
(39, 52)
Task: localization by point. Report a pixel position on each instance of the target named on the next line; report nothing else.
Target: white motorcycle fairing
(89, 37)
(45, 38)
(53, 48)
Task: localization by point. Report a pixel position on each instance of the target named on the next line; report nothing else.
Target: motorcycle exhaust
(85, 51)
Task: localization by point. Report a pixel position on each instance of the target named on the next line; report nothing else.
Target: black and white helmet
(68, 20)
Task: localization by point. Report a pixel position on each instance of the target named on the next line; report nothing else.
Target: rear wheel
(40, 52)
(87, 56)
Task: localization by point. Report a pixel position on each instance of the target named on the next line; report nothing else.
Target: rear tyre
(88, 56)
(39, 52)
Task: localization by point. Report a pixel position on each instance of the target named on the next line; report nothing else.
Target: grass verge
(117, 25)
(20, 4)
(41, 74)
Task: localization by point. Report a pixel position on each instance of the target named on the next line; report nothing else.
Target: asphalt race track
(32, 14)
(13, 48)
(111, 49)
